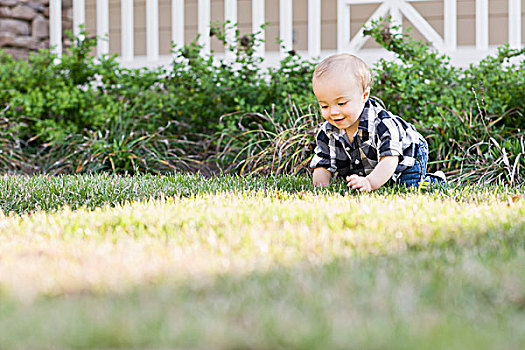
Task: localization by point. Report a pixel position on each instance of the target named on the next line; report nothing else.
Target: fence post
(230, 15)
(343, 25)
(450, 24)
(314, 28)
(55, 26)
(257, 22)
(79, 17)
(177, 22)
(152, 30)
(286, 25)
(482, 24)
(515, 24)
(204, 24)
(102, 27)
(127, 34)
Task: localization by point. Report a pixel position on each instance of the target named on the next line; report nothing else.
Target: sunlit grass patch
(202, 235)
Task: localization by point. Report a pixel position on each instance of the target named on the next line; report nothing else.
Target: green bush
(200, 89)
(65, 111)
(422, 84)
(79, 94)
(56, 99)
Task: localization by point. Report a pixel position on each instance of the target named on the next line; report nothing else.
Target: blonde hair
(345, 64)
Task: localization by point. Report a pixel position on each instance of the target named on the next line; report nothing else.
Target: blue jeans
(413, 175)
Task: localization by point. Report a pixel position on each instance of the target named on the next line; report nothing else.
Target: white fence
(345, 43)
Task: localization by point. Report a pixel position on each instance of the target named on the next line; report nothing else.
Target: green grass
(266, 263)
(27, 194)
(23, 194)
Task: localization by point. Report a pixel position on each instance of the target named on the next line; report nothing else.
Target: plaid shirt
(379, 134)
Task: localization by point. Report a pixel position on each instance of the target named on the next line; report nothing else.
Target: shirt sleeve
(390, 137)
(322, 157)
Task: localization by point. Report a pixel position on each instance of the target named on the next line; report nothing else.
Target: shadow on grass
(442, 295)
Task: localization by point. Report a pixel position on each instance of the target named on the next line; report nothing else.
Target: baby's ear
(366, 94)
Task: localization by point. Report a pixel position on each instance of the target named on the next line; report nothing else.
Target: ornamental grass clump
(285, 147)
(12, 158)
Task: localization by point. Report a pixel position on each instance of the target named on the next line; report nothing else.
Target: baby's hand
(359, 183)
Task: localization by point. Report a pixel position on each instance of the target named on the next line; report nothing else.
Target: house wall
(431, 10)
(24, 25)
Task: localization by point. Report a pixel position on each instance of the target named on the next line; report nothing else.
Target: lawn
(258, 263)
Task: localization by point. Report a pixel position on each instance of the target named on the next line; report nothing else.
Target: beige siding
(431, 10)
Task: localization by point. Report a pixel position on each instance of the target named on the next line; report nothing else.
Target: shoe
(433, 179)
(441, 175)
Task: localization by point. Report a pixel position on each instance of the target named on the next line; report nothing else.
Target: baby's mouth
(338, 120)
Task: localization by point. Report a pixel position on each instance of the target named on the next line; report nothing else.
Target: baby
(361, 140)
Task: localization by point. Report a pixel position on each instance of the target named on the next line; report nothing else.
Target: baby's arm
(377, 178)
(322, 161)
(321, 177)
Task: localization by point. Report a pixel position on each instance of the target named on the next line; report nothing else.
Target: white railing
(345, 42)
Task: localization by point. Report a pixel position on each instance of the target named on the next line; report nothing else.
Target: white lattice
(396, 9)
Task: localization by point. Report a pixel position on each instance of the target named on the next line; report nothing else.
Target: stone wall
(24, 25)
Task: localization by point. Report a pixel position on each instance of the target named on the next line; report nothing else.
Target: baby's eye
(324, 107)
(342, 103)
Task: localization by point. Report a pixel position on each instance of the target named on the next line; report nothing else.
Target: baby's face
(341, 100)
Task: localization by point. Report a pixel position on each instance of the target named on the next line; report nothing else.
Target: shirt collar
(365, 117)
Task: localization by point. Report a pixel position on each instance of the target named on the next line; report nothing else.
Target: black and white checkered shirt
(379, 134)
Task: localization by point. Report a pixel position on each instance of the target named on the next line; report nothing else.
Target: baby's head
(345, 66)
(341, 84)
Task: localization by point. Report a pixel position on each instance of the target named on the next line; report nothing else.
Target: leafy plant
(74, 105)
(422, 83)
(200, 88)
(57, 98)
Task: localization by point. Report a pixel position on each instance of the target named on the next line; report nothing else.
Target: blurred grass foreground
(258, 263)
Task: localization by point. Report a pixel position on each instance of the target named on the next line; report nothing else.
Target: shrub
(56, 99)
(422, 84)
(82, 95)
(81, 98)
(199, 88)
